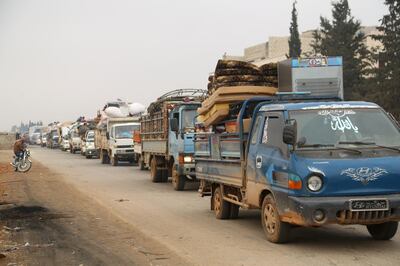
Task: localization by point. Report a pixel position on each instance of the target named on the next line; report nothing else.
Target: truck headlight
(314, 183)
(187, 159)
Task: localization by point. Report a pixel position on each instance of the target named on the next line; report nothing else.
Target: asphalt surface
(183, 222)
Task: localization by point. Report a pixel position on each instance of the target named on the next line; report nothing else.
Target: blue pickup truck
(305, 161)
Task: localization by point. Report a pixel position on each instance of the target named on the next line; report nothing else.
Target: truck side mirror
(174, 124)
(290, 132)
(108, 135)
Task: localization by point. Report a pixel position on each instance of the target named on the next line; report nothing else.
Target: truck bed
(100, 139)
(154, 131)
(155, 146)
(218, 158)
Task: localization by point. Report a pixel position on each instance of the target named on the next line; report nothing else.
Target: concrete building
(276, 48)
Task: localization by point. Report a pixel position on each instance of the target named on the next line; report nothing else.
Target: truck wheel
(165, 175)
(222, 208)
(178, 181)
(156, 174)
(275, 230)
(383, 231)
(234, 211)
(114, 160)
(141, 164)
(104, 157)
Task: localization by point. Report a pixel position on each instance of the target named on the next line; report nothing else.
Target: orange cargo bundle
(136, 136)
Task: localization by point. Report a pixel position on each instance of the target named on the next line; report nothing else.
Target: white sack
(114, 112)
(136, 108)
(124, 108)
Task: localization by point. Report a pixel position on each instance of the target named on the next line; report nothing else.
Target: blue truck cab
(167, 132)
(305, 162)
(181, 145)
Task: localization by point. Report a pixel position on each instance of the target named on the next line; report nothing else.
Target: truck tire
(222, 208)
(141, 163)
(104, 157)
(164, 175)
(275, 230)
(383, 231)
(155, 173)
(114, 160)
(234, 211)
(178, 181)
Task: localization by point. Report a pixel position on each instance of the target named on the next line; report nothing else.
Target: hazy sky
(60, 59)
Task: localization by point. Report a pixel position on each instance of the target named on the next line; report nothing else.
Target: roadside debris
(122, 200)
(11, 249)
(15, 229)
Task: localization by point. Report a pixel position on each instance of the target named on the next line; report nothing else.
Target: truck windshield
(344, 127)
(188, 118)
(125, 132)
(90, 137)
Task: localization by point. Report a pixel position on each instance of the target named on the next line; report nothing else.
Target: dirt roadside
(44, 221)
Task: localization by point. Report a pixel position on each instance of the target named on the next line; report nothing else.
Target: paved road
(183, 222)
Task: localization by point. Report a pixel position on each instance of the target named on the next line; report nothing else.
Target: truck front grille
(124, 146)
(362, 217)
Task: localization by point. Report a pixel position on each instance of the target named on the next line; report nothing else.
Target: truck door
(173, 137)
(268, 150)
(251, 157)
(111, 140)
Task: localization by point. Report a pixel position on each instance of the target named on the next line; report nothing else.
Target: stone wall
(276, 48)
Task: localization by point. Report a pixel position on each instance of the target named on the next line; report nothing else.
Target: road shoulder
(44, 220)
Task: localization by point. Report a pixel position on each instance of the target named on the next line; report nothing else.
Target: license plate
(369, 205)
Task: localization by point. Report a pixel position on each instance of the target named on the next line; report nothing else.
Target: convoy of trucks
(278, 138)
(114, 141)
(167, 133)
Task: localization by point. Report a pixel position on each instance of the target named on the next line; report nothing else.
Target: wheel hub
(270, 218)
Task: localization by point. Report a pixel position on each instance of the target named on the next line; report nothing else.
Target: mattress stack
(229, 73)
(235, 81)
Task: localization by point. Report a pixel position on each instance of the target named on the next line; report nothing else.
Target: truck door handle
(258, 161)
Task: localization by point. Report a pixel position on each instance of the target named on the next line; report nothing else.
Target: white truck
(88, 148)
(114, 141)
(74, 138)
(63, 132)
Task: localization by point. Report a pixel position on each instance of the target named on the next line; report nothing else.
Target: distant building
(276, 48)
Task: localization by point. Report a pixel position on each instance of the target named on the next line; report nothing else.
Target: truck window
(176, 115)
(255, 130)
(125, 132)
(188, 118)
(272, 131)
(90, 136)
